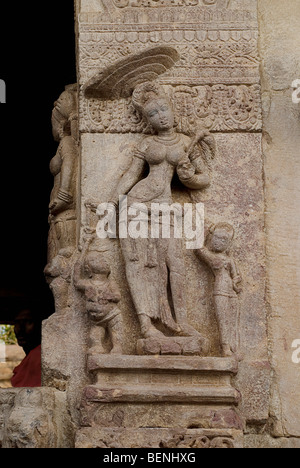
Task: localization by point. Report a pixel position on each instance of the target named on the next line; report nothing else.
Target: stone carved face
(63, 108)
(221, 240)
(159, 114)
(95, 265)
(59, 266)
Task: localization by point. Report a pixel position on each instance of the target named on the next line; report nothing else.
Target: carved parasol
(120, 79)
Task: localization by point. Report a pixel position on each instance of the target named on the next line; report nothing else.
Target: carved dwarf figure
(64, 169)
(226, 285)
(102, 295)
(58, 276)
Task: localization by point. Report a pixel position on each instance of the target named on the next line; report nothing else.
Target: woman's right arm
(130, 178)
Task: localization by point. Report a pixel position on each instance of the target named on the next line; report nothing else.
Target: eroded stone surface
(34, 418)
(206, 72)
(158, 438)
(174, 346)
(282, 172)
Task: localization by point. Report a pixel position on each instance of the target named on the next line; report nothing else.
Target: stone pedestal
(176, 346)
(186, 401)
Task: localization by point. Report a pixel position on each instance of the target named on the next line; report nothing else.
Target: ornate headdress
(64, 112)
(146, 92)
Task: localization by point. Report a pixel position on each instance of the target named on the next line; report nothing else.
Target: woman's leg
(143, 283)
(176, 265)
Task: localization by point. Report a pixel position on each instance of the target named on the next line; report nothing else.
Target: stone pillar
(279, 45)
(186, 103)
(154, 360)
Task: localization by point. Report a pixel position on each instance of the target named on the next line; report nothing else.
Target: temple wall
(279, 40)
(228, 67)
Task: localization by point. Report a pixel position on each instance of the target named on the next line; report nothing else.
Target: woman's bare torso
(162, 158)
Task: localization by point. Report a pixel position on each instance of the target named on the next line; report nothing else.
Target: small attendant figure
(226, 285)
(102, 295)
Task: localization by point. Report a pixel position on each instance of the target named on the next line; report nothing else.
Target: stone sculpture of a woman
(63, 167)
(155, 268)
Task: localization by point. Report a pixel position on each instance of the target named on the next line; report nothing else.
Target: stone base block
(174, 346)
(158, 438)
(131, 394)
(152, 379)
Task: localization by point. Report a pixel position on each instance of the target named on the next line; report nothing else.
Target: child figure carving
(227, 284)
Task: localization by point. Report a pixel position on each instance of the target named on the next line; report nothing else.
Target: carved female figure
(155, 268)
(63, 167)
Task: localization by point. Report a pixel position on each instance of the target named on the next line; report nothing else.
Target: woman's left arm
(193, 177)
(196, 182)
(191, 170)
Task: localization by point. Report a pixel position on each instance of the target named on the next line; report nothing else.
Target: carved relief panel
(213, 85)
(216, 79)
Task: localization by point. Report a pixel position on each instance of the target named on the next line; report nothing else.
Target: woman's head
(151, 100)
(64, 110)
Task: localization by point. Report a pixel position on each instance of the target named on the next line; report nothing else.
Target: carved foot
(147, 328)
(153, 333)
(96, 350)
(175, 329)
(117, 349)
(188, 330)
(227, 352)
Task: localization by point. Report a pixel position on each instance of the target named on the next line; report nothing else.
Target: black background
(37, 61)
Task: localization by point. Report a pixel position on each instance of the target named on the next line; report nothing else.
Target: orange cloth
(29, 372)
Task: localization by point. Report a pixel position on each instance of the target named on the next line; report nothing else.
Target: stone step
(164, 363)
(160, 394)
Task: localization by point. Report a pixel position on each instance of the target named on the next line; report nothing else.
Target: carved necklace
(168, 141)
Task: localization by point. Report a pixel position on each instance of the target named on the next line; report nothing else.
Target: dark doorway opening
(37, 61)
